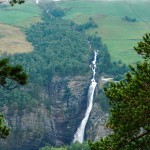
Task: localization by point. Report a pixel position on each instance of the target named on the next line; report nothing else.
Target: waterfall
(79, 135)
(37, 1)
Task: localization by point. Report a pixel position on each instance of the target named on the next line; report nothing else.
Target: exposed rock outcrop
(68, 97)
(54, 124)
(96, 127)
(55, 120)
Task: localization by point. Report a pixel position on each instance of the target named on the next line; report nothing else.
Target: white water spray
(37, 1)
(79, 135)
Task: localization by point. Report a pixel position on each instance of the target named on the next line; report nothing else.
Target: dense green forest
(61, 48)
(73, 146)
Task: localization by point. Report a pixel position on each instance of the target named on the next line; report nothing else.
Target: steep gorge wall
(28, 129)
(96, 127)
(55, 120)
(68, 97)
(56, 126)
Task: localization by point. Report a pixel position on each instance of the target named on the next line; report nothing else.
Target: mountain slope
(119, 35)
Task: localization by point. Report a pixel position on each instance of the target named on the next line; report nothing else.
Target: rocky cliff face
(96, 127)
(68, 104)
(28, 129)
(54, 124)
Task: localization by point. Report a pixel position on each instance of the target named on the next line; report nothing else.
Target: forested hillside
(60, 49)
(49, 109)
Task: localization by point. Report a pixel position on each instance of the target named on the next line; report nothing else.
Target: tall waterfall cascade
(79, 135)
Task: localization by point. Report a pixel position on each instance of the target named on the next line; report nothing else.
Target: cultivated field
(12, 40)
(13, 21)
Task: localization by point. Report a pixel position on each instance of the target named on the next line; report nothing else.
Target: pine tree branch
(140, 136)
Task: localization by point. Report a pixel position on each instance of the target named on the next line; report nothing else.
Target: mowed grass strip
(12, 40)
(119, 36)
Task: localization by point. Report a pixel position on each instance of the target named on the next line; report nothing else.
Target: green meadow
(120, 36)
(13, 20)
(20, 15)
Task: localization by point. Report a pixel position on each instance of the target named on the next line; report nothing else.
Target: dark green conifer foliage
(10, 77)
(143, 47)
(12, 2)
(4, 129)
(130, 111)
(9, 73)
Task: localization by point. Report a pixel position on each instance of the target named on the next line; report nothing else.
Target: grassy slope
(20, 15)
(12, 19)
(120, 36)
(12, 40)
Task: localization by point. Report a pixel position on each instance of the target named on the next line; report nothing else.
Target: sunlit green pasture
(20, 15)
(119, 35)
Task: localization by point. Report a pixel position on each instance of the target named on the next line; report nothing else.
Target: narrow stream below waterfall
(79, 135)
